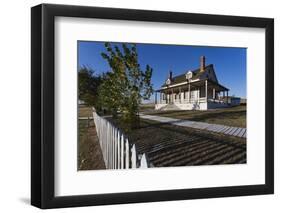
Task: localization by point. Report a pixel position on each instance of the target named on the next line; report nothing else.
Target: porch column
(169, 100)
(206, 90)
(172, 96)
(188, 93)
(227, 96)
(214, 93)
(199, 94)
(180, 95)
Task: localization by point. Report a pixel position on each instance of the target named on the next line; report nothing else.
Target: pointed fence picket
(117, 152)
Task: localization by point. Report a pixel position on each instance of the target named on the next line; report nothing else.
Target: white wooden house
(193, 90)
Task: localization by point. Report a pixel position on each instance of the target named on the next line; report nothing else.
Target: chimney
(171, 75)
(202, 63)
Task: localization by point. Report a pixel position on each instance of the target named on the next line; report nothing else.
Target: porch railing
(185, 101)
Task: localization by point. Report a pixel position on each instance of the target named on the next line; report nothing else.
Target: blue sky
(229, 63)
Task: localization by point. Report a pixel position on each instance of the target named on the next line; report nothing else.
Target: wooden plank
(127, 154)
(134, 157)
(118, 151)
(217, 127)
(114, 148)
(106, 144)
(233, 130)
(143, 162)
(236, 133)
(109, 146)
(238, 129)
(212, 128)
(228, 131)
(122, 151)
(206, 125)
(241, 133)
(196, 125)
(222, 128)
(245, 134)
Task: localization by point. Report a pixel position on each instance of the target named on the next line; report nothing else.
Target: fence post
(127, 154)
(134, 157)
(118, 152)
(113, 148)
(143, 162)
(116, 148)
(122, 151)
(102, 138)
(106, 143)
(109, 146)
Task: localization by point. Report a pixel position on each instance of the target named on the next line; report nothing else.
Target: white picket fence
(117, 152)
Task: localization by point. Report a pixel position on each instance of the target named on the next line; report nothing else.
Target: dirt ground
(85, 111)
(89, 151)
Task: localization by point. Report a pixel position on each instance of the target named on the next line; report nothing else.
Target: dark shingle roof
(181, 78)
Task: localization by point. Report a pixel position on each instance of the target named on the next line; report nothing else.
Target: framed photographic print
(139, 106)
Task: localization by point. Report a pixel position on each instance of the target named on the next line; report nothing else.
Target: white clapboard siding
(116, 150)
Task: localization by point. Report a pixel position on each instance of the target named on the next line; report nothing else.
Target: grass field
(234, 116)
(147, 107)
(85, 111)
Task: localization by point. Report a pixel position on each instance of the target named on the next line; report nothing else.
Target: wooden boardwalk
(227, 130)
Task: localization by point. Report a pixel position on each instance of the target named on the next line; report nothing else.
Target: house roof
(198, 83)
(182, 78)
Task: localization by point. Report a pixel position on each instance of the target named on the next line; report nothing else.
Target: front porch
(199, 95)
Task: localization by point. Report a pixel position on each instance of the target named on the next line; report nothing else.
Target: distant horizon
(229, 62)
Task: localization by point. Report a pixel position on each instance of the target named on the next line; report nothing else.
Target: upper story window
(188, 75)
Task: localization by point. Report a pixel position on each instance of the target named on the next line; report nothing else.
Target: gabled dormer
(202, 73)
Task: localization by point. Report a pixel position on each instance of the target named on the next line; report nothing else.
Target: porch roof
(196, 84)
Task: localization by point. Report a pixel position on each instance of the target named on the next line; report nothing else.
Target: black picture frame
(43, 111)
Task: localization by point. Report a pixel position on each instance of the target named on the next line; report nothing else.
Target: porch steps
(169, 107)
